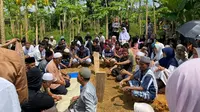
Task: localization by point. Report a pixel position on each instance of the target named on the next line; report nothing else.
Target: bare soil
(117, 101)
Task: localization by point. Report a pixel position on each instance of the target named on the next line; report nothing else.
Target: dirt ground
(114, 98)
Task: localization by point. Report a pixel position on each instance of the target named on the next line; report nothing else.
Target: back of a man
(87, 101)
(13, 70)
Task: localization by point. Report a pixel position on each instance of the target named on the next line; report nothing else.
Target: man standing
(60, 82)
(87, 101)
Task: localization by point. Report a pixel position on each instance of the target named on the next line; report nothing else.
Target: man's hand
(160, 68)
(74, 98)
(125, 89)
(123, 71)
(121, 83)
(56, 97)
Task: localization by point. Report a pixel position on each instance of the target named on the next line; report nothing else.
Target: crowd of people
(141, 68)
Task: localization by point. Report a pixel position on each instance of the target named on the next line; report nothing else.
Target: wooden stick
(100, 85)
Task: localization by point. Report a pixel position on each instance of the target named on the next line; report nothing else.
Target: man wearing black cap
(143, 84)
(87, 101)
(37, 101)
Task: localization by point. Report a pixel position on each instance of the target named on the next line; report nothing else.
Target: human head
(82, 47)
(158, 47)
(46, 39)
(168, 52)
(48, 55)
(117, 45)
(123, 29)
(138, 55)
(108, 47)
(144, 63)
(95, 42)
(41, 47)
(27, 45)
(182, 91)
(51, 38)
(30, 63)
(100, 33)
(57, 57)
(196, 53)
(47, 79)
(125, 52)
(84, 75)
(34, 78)
(180, 50)
(62, 41)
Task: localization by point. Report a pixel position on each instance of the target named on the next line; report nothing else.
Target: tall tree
(2, 24)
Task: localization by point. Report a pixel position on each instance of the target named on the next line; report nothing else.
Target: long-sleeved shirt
(87, 101)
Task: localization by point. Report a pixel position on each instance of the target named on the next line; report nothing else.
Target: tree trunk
(2, 24)
(12, 24)
(140, 23)
(41, 31)
(43, 27)
(36, 24)
(72, 25)
(26, 22)
(99, 27)
(154, 16)
(106, 21)
(60, 27)
(21, 31)
(146, 19)
(63, 28)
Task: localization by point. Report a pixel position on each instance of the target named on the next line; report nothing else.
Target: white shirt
(102, 39)
(9, 97)
(30, 50)
(37, 55)
(52, 43)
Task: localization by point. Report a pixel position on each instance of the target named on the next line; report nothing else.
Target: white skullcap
(142, 107)
(47, 77)
(51, 37)
(57, 55)
(66, 50)
(140, 54)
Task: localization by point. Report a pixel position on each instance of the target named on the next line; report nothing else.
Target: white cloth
(57, 55)
(43, 52)
(9, 97)
(37, 55)
(102, 39)
(163, 75)
(124, 36)
(52, 43)
(142, 107)
(30, 50)
(47, 77)
(159, 53)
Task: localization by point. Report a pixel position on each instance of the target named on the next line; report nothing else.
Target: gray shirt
(87, 101)
(43, 65)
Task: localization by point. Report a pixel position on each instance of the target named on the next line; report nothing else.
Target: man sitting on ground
(67, 58)
(87, 101)
(82, 56)
(28, 48)
(37, 101)
(47, 80)
(143, 84)
(44, 62)
(108, 56)
(60, 81)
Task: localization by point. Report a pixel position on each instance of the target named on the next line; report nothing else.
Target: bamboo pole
(26, 22)
(154, 16)
(21, 31)
(140, 23)
(36, 24)
(2, 24)
(107, 32)
(146, 19)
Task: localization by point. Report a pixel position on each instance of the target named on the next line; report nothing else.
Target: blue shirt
(147, 83)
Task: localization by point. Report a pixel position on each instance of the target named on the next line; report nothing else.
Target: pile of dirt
(114, 98)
